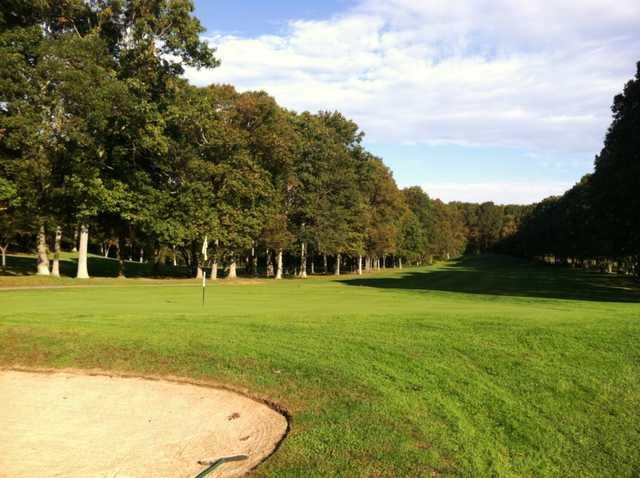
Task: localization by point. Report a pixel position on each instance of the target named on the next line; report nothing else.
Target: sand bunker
(66, 424)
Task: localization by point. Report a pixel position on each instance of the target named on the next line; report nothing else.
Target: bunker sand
(73, 425)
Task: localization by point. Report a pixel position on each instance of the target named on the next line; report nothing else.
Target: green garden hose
(212, 465)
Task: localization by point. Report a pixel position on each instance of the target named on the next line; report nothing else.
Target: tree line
(104, 146)
(595, 224)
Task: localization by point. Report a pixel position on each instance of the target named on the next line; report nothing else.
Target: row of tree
(99, 132)
(597, 222)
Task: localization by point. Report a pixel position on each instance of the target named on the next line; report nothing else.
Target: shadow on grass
(98, 267)
(503, 275)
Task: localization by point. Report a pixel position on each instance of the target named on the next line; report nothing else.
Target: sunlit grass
(480, 368)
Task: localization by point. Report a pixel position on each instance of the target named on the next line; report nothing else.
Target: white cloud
(537, 75)
(498, 192)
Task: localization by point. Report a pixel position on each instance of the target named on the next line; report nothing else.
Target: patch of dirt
(77, 425)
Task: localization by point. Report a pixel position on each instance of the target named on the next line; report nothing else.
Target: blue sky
(473, 100)
(250, 18)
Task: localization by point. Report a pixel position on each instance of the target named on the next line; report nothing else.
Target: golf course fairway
(483, 366)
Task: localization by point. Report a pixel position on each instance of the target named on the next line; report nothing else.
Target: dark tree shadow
(504, 275)
(98, 267)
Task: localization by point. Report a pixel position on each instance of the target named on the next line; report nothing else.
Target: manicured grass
(483, 367)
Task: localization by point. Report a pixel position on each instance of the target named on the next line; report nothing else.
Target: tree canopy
(99, 131)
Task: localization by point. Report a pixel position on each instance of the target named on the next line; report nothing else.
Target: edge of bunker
(94, 372)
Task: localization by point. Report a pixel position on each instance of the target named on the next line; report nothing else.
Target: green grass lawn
(487, 366)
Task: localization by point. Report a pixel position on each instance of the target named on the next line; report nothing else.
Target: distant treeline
(596, 223)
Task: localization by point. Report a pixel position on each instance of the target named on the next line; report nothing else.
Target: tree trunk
(279, 265)
(43, 258)
(338, 260)
(157, 258)
(75, 239)
(399, 262)
(313, 266)
(55, 268)
(195, 261)
(360, 265)
(83, 250)
(121, 254)
(232, 269)
(205, 250)
(214, 263)
(254, 262)
(269, 271)
(141, 255)
(175, 257)
(324, 263)
(303, 260)
(4, 256)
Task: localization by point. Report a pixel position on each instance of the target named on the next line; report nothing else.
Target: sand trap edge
(95, 372)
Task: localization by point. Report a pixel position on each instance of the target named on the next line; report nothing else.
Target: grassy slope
(478, 368)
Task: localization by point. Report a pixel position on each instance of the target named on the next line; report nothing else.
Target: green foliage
(97, 127)
(616, 196)
(444, 232)
(8, 194)
(596, 221)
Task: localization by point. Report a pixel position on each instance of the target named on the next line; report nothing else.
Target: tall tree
(617, 171)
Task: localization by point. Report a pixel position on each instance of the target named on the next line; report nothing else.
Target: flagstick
(204, 284)
(205, 245)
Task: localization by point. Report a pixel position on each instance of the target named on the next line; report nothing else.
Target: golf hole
(78, 425)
